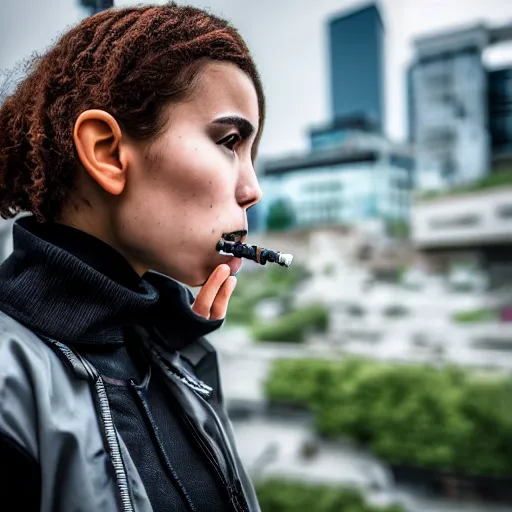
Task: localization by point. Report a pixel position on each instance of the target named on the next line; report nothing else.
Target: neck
(103, 232)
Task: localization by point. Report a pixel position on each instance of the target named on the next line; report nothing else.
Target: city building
(472, 230)
(351, 173)
(362, 179)
(460, 120)
(333, 133)
(356, 57)
(458, 112)
(500, 117)
(96, 6)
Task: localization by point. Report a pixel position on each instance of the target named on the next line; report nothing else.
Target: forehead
(223, 88)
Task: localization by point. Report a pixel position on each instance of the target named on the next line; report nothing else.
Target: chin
(193, 275)
(194, 280)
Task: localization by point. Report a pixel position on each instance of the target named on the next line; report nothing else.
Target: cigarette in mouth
(228, 246)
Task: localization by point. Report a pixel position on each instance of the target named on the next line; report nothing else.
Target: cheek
(198, 170)
(188, 188)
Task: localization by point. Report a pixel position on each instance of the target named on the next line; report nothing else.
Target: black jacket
(73, 291)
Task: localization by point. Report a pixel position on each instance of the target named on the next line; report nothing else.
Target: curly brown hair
(130, 62)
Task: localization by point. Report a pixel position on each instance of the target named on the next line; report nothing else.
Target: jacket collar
(57, 294)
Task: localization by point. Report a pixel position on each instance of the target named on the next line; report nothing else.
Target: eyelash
(230, 141)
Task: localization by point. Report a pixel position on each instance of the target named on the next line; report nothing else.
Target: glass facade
(411, 120)
(500, 110)
(325, 139)
(96, 6)
(356, 63)
(342, 194)
(448, 117)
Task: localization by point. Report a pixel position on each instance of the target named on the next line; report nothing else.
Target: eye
(230, 141)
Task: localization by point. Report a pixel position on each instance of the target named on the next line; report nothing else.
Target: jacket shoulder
(17, 340)
(25, 367)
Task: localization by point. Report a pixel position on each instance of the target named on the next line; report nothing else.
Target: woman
(131, 143)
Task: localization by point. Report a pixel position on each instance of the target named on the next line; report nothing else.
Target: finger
(220, 304)
(208, 292)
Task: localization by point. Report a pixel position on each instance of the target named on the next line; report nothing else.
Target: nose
(248, 191)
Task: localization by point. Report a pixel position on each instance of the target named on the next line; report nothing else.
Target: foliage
(280, 495)
(300, 382)
(397, 228)
(475, 316)
(11, 77)
(267, 283)
(281, 215)
(294, 326)
(283, 329)
(240, 311)
(329, 269)
(493, 180)
(414, 415)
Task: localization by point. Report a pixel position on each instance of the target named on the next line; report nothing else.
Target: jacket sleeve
(20, 474)
(20, 480)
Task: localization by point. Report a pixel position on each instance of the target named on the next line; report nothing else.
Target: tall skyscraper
(356, 62)
(97, 5)
(352, 175)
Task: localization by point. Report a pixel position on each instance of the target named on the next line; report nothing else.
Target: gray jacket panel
(53, 416)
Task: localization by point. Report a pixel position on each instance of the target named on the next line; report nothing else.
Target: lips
(235, 236)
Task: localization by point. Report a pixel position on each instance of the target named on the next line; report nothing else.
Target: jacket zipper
(167, 462)
(203, 444)
(199, 388)
(113, 443)
(78, 364)
(202, 391)
(236, 495)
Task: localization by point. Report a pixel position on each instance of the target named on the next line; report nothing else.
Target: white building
(449, 106)
(473, 228)
(364, 178)
(464, 220)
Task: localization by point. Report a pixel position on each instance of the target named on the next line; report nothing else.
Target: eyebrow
(245, 127)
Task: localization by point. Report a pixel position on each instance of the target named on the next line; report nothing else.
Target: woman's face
(194, 183)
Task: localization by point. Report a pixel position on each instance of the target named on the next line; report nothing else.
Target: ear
(97, 138)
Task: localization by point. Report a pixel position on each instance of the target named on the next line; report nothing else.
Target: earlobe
(97, 137)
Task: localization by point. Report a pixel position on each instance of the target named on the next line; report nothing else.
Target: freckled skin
(171, 218)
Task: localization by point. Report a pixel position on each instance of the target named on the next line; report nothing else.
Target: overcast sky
(289, 42)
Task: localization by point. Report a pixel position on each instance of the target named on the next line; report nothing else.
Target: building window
(463, 221)
(325, 186)
(504, 211)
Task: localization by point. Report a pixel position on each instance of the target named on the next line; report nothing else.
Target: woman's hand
(213, 298)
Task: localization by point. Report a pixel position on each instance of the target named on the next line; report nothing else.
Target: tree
(281, 215)
(11, 77)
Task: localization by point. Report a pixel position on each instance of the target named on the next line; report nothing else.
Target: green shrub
(475, 316)
(294, 326)
(271, 282)
(413, 415)
(299, 382)
(487, 446)
(493, 180)
(280, 495)
(282, 330)
(240, 311)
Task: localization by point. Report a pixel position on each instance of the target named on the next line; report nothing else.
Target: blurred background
(375, 373)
